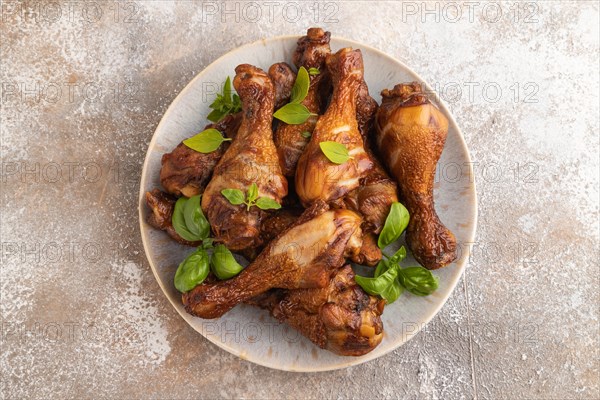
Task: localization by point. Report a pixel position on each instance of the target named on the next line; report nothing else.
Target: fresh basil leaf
(178, 221)
(252, 193)
(206, 141)
(235, 196)
(223, 264)
(293, 114)
(395, 223)
(237, 103)
(313, 71)
(207, 243)
(267, 203)
(398, 255)
(300, 88)
(225, 103)
(215, 115)
(418, 280)
(376, 286)
(392, 292)
(192, 271)
(381, 268)
(195, 221)
(335, 152)
(227, 92)
(306, 134)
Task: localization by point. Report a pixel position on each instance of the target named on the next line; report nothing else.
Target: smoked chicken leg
(411, 133)
(317, 178)
(251, 158)
(311, 53)
(304, 256)
(340, 317)
(186, 172)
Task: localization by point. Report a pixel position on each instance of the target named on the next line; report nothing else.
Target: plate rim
(351, 361)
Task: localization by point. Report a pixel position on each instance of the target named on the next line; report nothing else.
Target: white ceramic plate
(251, 333)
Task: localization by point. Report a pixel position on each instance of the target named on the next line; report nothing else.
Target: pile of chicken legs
(332, 213)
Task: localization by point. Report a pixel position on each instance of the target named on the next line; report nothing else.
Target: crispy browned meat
(366, 108)
(411, 133)
(283, 78)
(317, 178)
(162, 204)
(251, 158)
(186, 172)
(369, 253)
(304, 256)
(340, 317)
(311, 52)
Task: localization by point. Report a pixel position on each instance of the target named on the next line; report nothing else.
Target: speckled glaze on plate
(251, 333)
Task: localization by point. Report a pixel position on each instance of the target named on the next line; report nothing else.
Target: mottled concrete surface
(84, 85)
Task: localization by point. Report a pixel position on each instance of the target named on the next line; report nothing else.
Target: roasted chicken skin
(340, 317)
(304, 256)
(411, 133)
(186, 172)
(251, 158)
(283, 78)
(317, 178)
(311, 52)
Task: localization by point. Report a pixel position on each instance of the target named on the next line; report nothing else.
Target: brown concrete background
(84, 85)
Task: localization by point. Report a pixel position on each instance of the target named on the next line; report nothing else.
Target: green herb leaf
(206, 141)
(398, 255)
(380, 286)
(227, 92)
(392, 292)
(195, 221)
(225, 103)
(306, 134)
(267, 203)
(418, 280)
(335, 152)
(178, 221)
(192, 271)
(300, 88)
(293, 114)
(313, 71)
(381, 268)
(395, 223)
(252, 193)
(207, 243)
(235, 196)
(224, 265)
(216, 115)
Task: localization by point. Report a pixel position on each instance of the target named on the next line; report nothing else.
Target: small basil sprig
(192, 271)
(226, 103)
(390, 279)
(188, 220)
(306, 134)
(223, 264)
(395, 223)
(206, 141)
(237, 197)
(385, 285)
(313, 71)
(335, 152)
(195, 268)
(295, 113)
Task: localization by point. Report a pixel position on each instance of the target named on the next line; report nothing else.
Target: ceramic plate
(251, 333)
